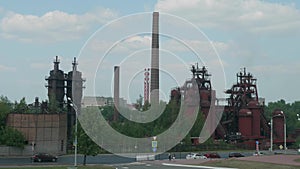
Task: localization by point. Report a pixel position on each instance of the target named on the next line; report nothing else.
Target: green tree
(21, 107)
(86, 145)
(11, 137)
(198, 125)
(5, 108)
(146, 106)
(53, 104)
(297, 143)
(139, 103)
(107, 112)
(290, 111)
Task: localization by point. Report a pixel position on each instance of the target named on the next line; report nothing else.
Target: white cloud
(4, 68)
(251, 16)
(206, 46)
(166, 5)
(139, 41)
(279, 69)
(53, 26)
(124, 47)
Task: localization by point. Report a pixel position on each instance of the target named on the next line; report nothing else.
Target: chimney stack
(155, 61)
(116, 91)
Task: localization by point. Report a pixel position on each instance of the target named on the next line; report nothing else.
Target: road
(148, 166)
(68, 160)
(162, 166)
(117, 161)
(99, 159)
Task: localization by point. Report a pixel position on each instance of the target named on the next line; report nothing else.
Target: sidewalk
(275, 159)
(182, 161)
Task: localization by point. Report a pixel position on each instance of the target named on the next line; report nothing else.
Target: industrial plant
(49, 128)
(243, 120)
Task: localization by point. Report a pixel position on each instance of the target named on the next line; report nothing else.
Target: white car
(258, 153)
(195, 156)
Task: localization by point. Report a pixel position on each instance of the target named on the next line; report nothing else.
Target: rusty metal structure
(243, 120)
(244, 113)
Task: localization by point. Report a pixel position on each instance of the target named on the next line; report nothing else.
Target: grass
(231, 163)
(298, 160)
(64, 167)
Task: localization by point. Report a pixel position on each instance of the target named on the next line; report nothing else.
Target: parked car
(258, 153)
(39, 157)
(212, 155)
(195, 156)
(234, 154)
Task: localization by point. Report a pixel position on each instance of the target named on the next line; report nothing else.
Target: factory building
(243, 121)
(49, 128)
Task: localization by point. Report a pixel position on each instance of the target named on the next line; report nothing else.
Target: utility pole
(76, 124)
(271, 139)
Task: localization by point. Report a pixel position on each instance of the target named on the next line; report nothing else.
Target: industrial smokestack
(155, 61)
(116, 91)
(146, 86)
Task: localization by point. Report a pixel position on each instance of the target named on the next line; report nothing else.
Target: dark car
(39, 157)
(212, 155)
(231, 155)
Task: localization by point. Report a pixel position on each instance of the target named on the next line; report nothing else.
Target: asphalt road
(117, 161)
(68, 160)
(99, 159)
(161, 166)
(147, 166)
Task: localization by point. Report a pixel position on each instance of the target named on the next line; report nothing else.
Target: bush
(11, 137)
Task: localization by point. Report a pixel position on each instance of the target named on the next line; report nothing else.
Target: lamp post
(298, 117)
(271, 139)
(75, 140)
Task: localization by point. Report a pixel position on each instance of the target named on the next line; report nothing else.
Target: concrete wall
(48, 132)
(14, 151)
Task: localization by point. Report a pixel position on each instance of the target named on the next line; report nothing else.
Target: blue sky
(260, 35)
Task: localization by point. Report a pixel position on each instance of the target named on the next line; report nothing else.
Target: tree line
(8, 135)
(12, 137)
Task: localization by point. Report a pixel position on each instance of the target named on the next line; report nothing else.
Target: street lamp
(75, 141)
(298, 117)
(271, 135)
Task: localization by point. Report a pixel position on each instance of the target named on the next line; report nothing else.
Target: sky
(224, 35)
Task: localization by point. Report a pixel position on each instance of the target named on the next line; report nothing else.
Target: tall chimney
(116, 91)
(155, 61)
(146, 85)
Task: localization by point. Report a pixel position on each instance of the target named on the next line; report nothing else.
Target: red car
(212, 155)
